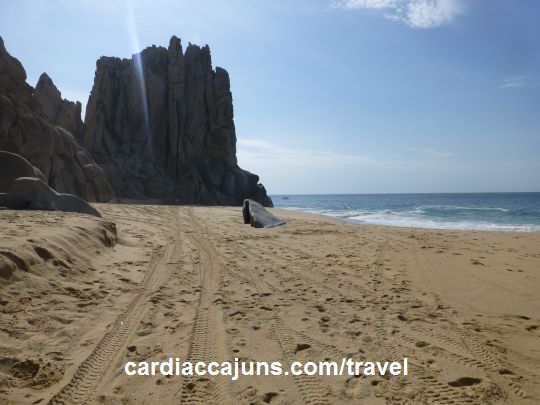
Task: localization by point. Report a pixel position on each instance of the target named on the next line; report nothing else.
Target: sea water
(474, 211)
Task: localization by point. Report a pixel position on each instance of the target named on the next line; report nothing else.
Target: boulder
(30, 193)
(12, 167)
(257, 216)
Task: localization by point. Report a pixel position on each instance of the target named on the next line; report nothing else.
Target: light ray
(139, 70)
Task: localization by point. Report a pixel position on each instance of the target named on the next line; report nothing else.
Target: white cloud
(426, 14)
(432, 153)
(415, 13)
(376, 4)
(514, 82)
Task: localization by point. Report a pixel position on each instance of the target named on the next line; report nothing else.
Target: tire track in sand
(87, 379)
(207, 340)
(309, 387)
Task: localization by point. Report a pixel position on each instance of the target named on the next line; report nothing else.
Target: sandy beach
(81, 296)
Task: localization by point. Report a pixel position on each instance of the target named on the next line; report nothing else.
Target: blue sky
(333, 96)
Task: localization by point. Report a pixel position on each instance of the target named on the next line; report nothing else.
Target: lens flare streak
(139, 69)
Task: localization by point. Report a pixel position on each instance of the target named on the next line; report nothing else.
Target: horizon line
(422, 192)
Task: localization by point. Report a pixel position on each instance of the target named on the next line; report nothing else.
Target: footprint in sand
(465, 382)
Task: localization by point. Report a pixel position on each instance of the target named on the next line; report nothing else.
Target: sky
(332, 96)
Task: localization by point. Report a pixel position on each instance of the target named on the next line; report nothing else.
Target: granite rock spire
(161, 125)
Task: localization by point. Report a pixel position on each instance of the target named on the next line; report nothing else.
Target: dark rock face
(28, 129)
(161, 126)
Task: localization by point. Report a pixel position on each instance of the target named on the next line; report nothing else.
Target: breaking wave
(513, 214)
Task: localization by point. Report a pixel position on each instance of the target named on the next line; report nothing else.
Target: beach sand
(79, 297)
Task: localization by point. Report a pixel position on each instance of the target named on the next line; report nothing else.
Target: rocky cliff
(161, 126)
(29, 127)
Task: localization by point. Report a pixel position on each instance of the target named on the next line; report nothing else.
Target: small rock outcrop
(29, 128)
(161, 126)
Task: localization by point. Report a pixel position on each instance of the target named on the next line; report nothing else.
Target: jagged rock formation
(28, 128)
(61, 112)
(161, 125)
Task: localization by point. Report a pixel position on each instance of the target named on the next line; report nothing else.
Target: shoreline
(358, 222)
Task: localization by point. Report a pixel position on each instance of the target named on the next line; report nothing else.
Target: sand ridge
(195, 283)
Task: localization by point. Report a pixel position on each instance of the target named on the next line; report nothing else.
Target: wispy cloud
(296, 169)
(414, 13)
(514, 82)
(255, 150)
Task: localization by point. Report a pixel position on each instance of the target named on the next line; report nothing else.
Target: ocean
(473, 211)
